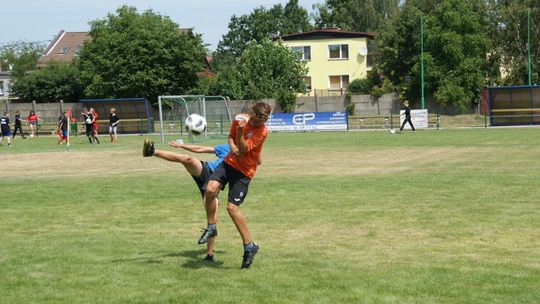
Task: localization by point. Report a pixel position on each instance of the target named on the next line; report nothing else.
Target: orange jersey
(254, 136)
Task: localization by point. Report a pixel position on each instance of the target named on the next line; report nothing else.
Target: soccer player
(246, 139)
(407, 117)
(113, 123)
(18, 124)
(89, 119)
(94, 124)
(200, 170)
(5, 130)
(63, 128)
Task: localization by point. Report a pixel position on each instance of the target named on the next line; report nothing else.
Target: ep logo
(300, 119)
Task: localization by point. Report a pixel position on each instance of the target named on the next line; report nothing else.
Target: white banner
(419, 119)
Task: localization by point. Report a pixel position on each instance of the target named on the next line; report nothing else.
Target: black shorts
(203, 179)
(238, 182)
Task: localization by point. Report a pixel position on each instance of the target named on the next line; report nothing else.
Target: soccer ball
(392, 131)
(196, 124)
(88, 121)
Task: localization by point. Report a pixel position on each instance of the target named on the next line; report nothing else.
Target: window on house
(77, 50)
(338, 51)
(369, 57)
(307, 81)
(339, 82)
(304, 52)
(63, 50)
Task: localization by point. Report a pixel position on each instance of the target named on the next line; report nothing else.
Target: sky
(41, 20)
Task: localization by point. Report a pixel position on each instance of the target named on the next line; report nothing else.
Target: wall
(48, 112)
(364, 104)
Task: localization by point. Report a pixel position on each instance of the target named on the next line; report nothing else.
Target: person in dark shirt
(88, 123)
(18, 125)
(113, 123)
(5, 130)
(407, 117)
(63, 128)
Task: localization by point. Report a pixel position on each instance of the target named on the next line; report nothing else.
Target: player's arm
(244, 146)
(192, 148)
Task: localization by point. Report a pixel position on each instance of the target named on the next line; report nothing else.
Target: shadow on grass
(195, 258)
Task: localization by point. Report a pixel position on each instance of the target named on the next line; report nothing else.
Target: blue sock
(211, 227)
(249, 247)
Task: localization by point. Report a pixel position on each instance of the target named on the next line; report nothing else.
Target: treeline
(468, 44)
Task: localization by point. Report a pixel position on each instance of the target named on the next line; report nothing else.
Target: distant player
(113, 125)
(63, 128)
(88, 118)
(18, 124)
(5, 130)
(200, 170)
(407, 117)
(32, 120)
(246, 139)
(95, 124)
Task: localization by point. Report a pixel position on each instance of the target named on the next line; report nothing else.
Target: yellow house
(334, 58)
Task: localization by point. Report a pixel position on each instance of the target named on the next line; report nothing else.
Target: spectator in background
(32, 120)
(18, 124)
(113, 123)
(407, 117)
(94, 124)
(5, 131)
(63, 128)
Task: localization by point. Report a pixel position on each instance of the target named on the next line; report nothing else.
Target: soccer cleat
(148, 148)
(209, 258)
(206, 235)
(249, 256)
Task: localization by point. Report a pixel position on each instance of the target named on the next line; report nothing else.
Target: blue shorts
(6, 132)
(64, 133)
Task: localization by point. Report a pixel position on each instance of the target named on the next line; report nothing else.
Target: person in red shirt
(246, 138)
(32, 120)
(94, 125)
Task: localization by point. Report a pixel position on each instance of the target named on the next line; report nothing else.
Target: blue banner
(308, 121)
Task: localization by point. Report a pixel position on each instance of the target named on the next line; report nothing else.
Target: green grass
(448, 216)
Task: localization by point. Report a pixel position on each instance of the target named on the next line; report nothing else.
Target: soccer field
(448, 216)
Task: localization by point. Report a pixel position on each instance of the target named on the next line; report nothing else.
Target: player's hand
(235, 151)
(241, 123)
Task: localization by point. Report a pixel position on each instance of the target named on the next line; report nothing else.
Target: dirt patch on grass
(93, 163)
(276, 162)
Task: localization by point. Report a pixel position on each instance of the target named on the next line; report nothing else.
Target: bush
(360, 86)
(286, 100)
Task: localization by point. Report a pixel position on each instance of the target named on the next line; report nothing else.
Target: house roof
(64, 47)
(325, 33)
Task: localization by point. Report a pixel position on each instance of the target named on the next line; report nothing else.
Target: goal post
(174, 109)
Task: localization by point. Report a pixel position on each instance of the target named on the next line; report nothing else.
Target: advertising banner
(309, 121)
(419, 119)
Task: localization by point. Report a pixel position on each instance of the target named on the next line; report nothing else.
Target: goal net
(173, 111)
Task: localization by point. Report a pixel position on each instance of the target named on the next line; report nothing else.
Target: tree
(455, 50)
(262, 24)
(59, 81)
(20, 57)
(133, 54)
(355, 15)
(509, 21)
(265, 70)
